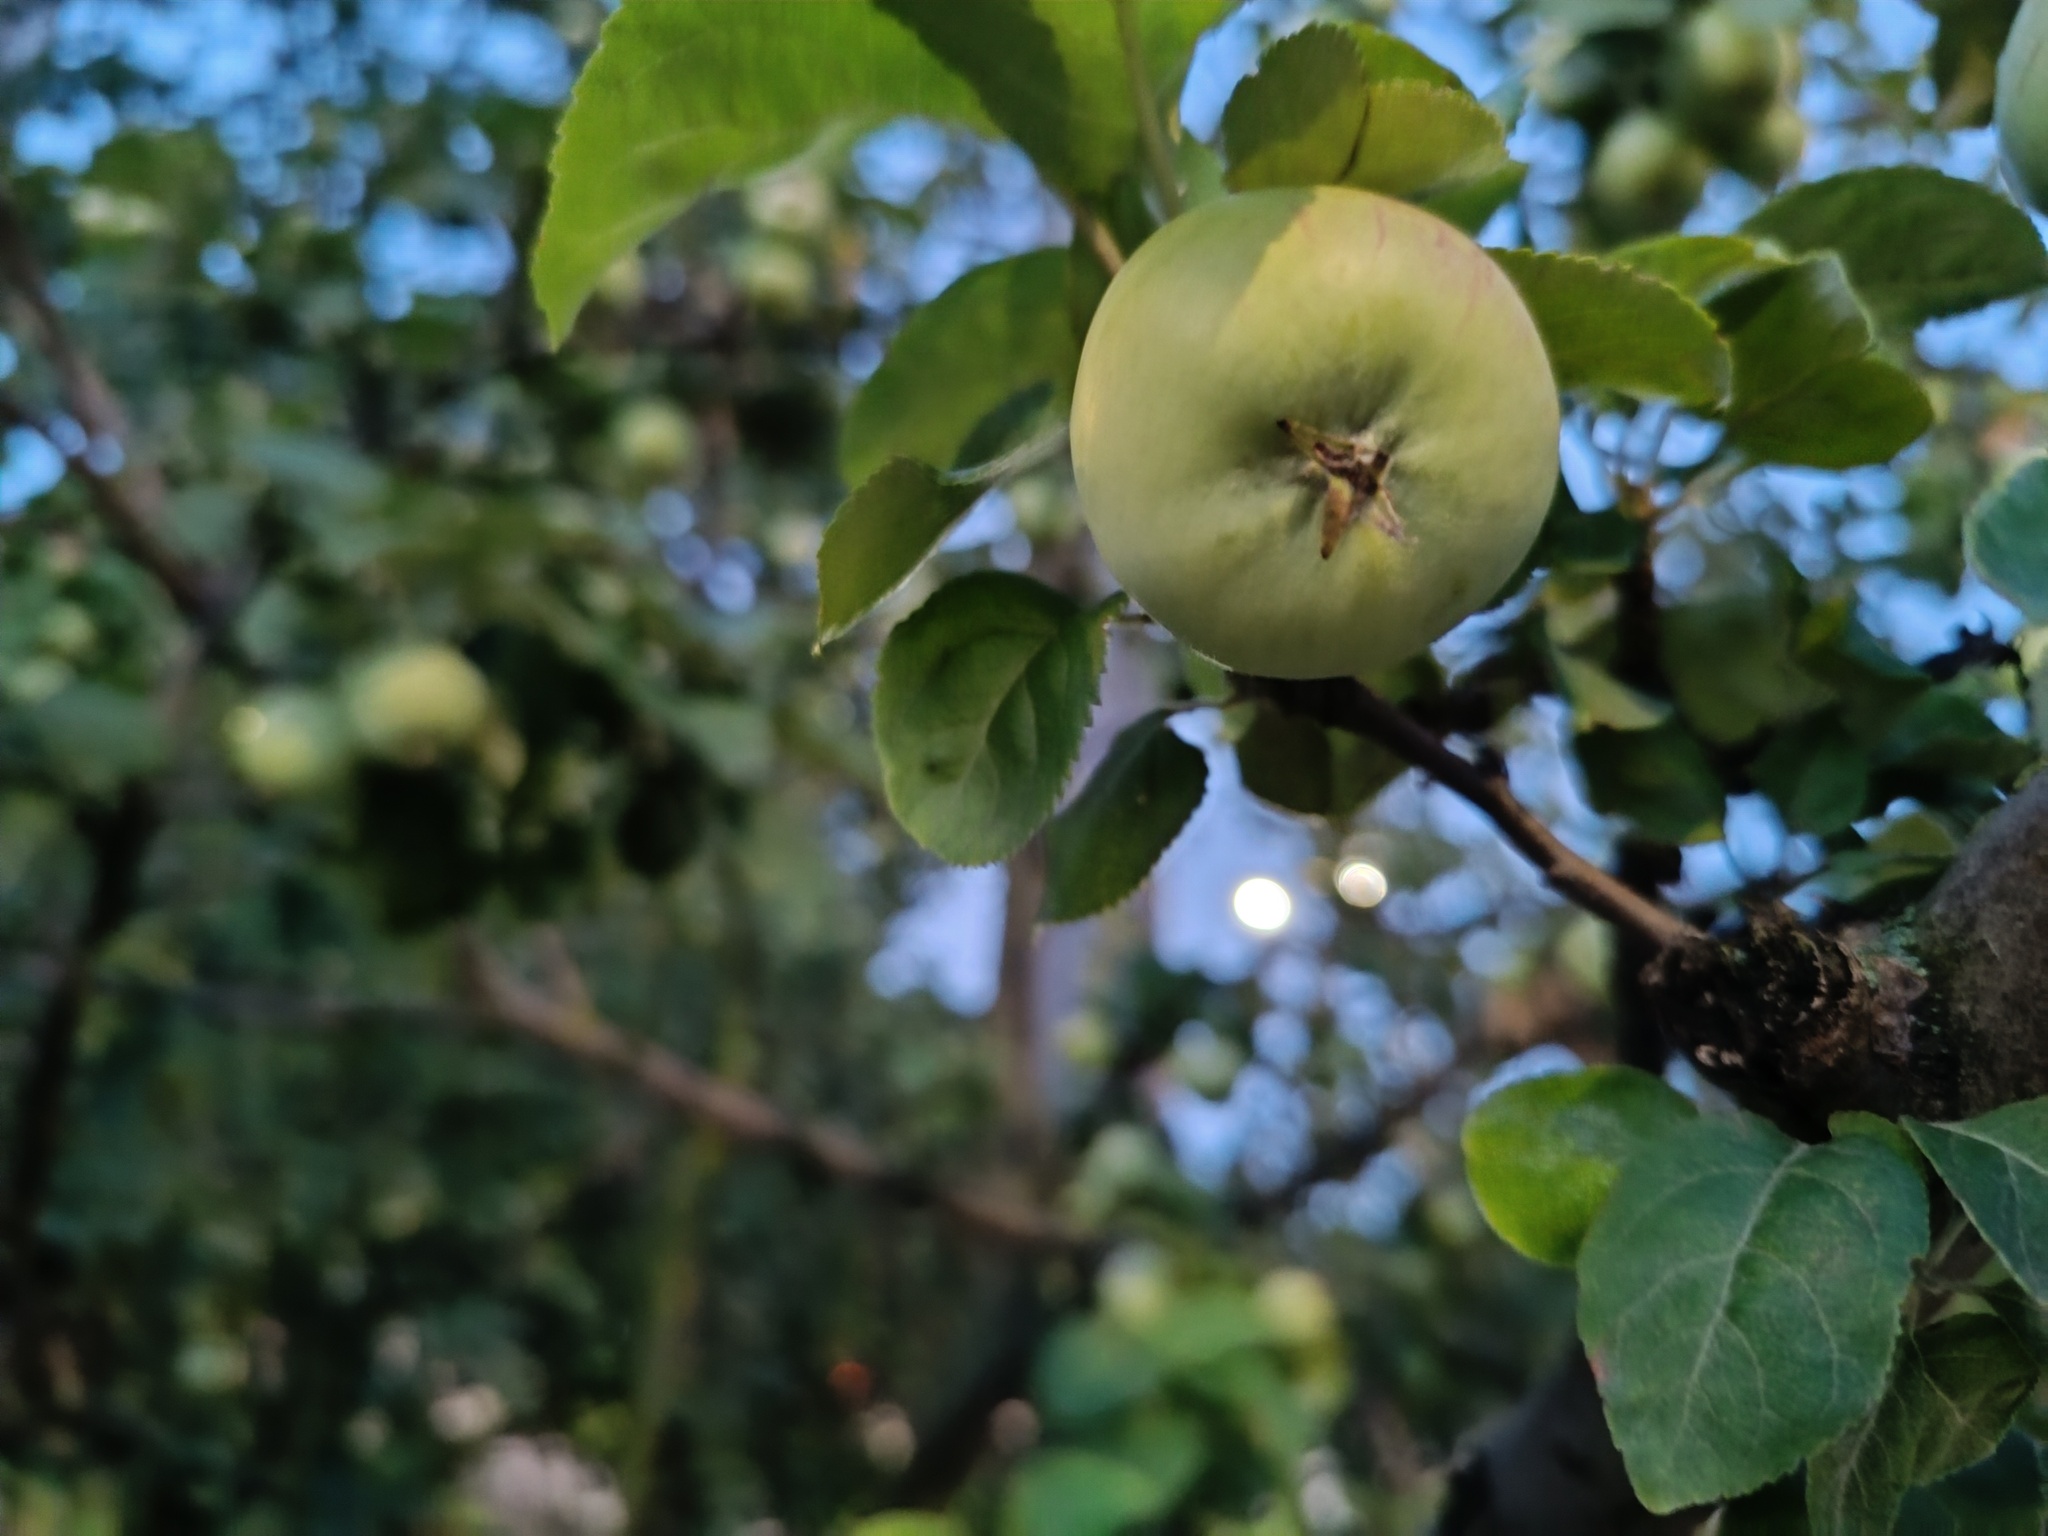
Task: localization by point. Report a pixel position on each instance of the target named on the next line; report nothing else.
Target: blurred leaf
(682, 95)
(2003, 1496)
(1954, 1389)
(1816, 773)
(1997, 1166)
(1542, 1154)
(1294, 763)
(979, 707)
(1598, 697)
(93, 738)
(908, 1522)
(879, 536)
(1079, 1493)
(1168, 1446)
(2005, 537)
(1912, 850)
(1917, 244)
(1052, 75)
(998, 330)
(1106, 841)
(1659, 779)
(1201, 1327)
(1946, 731)
(1807, 391)
(1739, 1297)
(1728, 647)
(1090, 1367)
(1607, 327)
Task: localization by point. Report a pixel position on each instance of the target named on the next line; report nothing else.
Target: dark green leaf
(1997, 1165)
(1659, 779)
(1816, 773)
(1946, 731)
(1917, 244)
(999, 330)
(93, 738)
(1806, 389)
(2006, 538)
(1296, 764)
(1607, 327)
(682, 95)
(1954, 1389)
(1079, 1493)
(979, 707)
(1912, 851)
(879, 535)
(1541, 1155)
(1101, 846)
(1091, 1367)
(1728, 649)
(1599, 698)
(1739, 1296)
(2004, 1496)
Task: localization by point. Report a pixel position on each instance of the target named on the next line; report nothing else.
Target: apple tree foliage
(1752, 1302)
(432, 1087)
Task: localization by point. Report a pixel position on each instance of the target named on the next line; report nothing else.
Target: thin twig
(1151, 128)
(577, 1030)
(1348, 705)
(130, 498)
(1099, 239)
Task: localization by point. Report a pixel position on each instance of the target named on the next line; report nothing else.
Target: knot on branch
(1799, 1023)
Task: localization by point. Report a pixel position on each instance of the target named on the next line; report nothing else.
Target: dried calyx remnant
(1354, 473)
(1939, 1016)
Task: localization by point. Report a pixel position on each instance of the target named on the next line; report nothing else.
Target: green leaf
(2005, 537)
(1051, 74)
(1806, 389)
(2003, 1496)
(1598, 697)
(1739, 1295)
(1387, 57)
(1917, 244)
(1729, 648)
(1101, 846)
(1542, 1155)
(879, 535)
(979, 707)
(1816, 773)
(1311, 115)
(1659, 779)
(996, 332)
(1294, 763)
(1946, 731)
(1079, 1493)
(1954, 1389)
(1698, 266)
(1997, 1165)
(1607, 327)
(683, 95)
(1913, 850)
(93, 738)
(1090, 1367)
(909, 1522)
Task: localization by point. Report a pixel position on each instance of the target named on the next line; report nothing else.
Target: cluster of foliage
(460, 695)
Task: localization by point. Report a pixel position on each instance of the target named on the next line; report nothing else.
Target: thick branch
(129, 497)
(577, 1030)
(1348, 705)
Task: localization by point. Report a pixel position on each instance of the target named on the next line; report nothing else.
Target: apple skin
(2020, 109)
(415, 702)
(1348, 312)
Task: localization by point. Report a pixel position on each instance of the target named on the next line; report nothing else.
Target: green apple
(1722, 71)
(1769, 148)
(776, 277)
(2021, 107)
(1646, 175)
(287, 742)
(1312, 430)
(655, 440)
(794, 201)
(416, 702)
(1297, 1307)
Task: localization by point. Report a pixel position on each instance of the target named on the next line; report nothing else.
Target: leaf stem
(1151, 126)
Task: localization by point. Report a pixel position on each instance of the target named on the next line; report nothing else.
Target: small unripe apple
(1769, 149)
(1135, 1286)
(1722, 70)
(1312, 430)
(655, 440)
(2021, 106)
(416, 702)
(1646, 175)
(287, 742)
(67, 632)
(795, 201)
(776, 277)
(1297, 1307)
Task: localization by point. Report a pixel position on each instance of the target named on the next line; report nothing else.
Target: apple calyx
(1354, 471)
